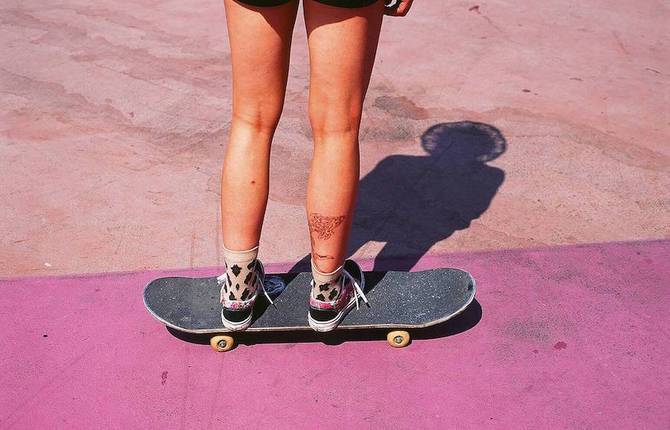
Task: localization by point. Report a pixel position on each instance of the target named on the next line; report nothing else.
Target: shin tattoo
(323, 227)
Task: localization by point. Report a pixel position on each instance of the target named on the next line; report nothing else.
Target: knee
(334, 118)
(261, 117)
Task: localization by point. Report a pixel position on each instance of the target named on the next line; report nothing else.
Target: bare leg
(342, 47)
(260, 44)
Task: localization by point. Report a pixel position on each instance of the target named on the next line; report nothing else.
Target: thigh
(260, 46)
(342, 47)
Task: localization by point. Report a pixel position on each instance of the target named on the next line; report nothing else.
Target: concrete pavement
(116, 117)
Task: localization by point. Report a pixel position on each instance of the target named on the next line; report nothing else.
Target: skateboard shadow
(469, 318)
(410, 203)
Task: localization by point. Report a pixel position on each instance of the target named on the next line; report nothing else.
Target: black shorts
(338, 3)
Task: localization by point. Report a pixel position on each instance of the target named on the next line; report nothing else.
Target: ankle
(327, 285)
(241, 273)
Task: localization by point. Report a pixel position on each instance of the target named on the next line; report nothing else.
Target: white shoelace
(358, 291)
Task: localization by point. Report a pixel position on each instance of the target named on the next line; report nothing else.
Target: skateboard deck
(397, 300)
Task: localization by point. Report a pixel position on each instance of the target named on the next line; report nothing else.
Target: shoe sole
(330, 325)
(236, 326)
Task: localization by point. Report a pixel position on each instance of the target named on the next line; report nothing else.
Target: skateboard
(398, 302)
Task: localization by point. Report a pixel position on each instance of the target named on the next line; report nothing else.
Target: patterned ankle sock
(241, 271)
(326, 285)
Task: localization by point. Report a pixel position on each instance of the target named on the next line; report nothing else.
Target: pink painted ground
(569, 337)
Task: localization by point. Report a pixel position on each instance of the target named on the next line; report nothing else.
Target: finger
(403, 8)
(391, 6)
(400, 8)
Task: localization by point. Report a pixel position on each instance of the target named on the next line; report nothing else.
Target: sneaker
(237, 314)
(326, 315)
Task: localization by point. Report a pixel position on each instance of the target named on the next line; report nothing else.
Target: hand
(397, 7)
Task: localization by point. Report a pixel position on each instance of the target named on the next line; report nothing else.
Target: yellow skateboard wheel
(398, 338)
(222, 343)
